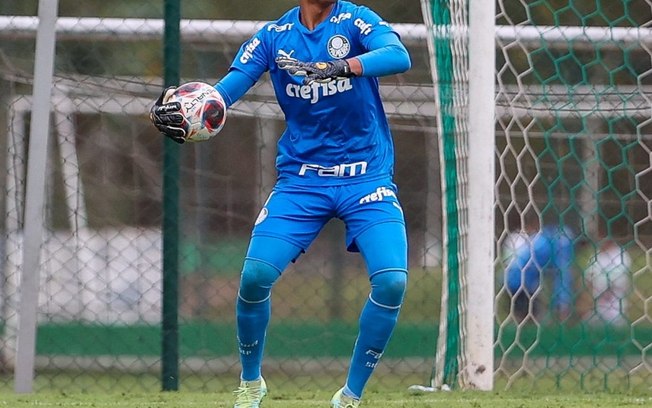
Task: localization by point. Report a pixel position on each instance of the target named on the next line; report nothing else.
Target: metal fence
(99, 308)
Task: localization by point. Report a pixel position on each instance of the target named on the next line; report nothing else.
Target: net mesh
(573, 147)
(572, 151)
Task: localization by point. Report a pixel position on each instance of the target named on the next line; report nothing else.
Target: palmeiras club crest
(338, 46)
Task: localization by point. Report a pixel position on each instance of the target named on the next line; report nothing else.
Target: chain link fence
(99, 321)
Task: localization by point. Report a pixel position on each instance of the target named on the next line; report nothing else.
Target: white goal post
(479, 344)
(35, 198)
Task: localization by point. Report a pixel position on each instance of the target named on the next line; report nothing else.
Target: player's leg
(266, 259)
(384, 248)
(375, 227)
(286, 226)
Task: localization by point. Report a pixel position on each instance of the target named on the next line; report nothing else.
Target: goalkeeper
(335, 160)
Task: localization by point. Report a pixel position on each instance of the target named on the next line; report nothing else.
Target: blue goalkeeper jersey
(337, 132)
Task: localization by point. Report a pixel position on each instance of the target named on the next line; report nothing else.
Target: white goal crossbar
(238, 30)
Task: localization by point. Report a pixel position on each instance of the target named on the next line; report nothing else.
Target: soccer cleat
(250, 393)
(340, 400)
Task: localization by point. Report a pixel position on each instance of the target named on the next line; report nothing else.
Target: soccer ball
(203, 109)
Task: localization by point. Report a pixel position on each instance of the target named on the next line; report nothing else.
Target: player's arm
(242, 75)
(387, 56)
(233, 86)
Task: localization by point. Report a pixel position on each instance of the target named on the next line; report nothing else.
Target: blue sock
(252, 320)
(253, 310)
(376, 327)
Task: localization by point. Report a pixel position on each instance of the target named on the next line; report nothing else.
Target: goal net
(573, 224)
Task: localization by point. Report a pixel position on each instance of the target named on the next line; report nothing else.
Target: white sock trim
(254, 301)
(383, 306)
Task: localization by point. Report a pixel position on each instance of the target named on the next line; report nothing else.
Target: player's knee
(256, 280)
(388, 287)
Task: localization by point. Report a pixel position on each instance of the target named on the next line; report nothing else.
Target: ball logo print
(203, 109)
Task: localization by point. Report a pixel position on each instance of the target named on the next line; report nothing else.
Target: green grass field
(282, 399)
(142, 391)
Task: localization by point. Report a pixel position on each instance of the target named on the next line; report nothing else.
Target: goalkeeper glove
(315, 71)
(167, 117)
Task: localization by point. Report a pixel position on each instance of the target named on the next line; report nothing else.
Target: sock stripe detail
(253, 301)
(383, 306)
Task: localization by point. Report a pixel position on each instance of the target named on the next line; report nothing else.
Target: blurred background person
(547, 251)
(608, 275)
(515, 239)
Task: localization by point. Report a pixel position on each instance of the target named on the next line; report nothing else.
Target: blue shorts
(298, 213)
